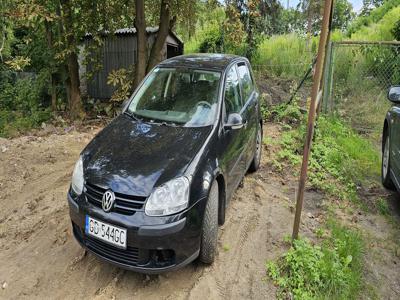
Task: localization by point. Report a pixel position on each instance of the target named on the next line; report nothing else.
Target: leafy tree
(165, 14)
(342, 14)
(369, 5)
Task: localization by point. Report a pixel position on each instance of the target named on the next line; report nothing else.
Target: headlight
(169, 198)
(77, 177)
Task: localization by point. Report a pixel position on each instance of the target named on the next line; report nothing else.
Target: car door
(249, 111)
(233, 140)
(395, 140)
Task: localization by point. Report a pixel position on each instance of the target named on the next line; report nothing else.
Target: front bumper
(154, 244)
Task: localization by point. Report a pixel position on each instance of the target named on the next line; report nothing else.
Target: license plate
(106, 232)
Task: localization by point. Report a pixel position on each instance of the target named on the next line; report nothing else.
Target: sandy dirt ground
(39, 258)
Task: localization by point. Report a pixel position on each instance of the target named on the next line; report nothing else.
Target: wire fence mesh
(358, 76)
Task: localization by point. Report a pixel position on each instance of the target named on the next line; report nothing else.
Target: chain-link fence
(358, 75)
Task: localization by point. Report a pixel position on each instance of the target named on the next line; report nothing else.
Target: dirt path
(40, 259)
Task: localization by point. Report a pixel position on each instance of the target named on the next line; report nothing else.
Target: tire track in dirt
(43, 260)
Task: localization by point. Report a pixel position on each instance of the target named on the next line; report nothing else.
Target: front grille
(124, 204)
(129, 256)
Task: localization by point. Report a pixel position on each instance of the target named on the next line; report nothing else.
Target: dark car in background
(149, 191)
(391, 142)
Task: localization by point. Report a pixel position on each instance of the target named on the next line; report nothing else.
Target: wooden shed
(119, 50)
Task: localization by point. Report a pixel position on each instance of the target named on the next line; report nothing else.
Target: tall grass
(286, 55)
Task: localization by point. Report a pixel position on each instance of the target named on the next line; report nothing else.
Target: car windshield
(181, 96)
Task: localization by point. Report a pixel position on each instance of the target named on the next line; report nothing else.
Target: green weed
(340, 158)
(383, 206)
(329, 270)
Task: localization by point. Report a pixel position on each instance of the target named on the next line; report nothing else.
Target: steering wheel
(204, 103)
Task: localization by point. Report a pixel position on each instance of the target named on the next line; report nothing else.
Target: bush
(22, 103)
(212, 41)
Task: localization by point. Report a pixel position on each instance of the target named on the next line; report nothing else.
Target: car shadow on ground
(394, 203)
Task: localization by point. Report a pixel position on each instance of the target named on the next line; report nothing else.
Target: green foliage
(380, 30)
(208, 28)
(340, 158)
(383, 206)
(396, 30)
(21, 106)
(374, 17)
(284, 55)
(122, 80)
(342, 14)
(212, 42)
(329, 270)
(288, 113)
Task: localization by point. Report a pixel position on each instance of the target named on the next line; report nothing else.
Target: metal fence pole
(327, 78)
(311, 113)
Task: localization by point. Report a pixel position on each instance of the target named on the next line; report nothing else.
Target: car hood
(131, 157)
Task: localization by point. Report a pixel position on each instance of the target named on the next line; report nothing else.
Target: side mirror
(394, 94)
(235, 121)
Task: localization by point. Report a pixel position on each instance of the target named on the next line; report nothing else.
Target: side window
(245, 81)
(233, 101)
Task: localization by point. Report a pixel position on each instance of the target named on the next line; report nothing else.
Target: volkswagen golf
(150, 190)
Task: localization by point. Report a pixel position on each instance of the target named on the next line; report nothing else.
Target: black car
(391, 142)
(149, 191)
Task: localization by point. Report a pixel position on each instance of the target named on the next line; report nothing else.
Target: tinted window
(245, 80)
(233, 101)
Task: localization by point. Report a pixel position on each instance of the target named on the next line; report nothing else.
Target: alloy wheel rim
(258, 146)
(385, 164)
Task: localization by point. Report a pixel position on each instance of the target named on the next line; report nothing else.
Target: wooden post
(311, 114)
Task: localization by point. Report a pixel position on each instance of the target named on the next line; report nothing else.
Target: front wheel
(255, 163)
(209, 235)
(386, 180)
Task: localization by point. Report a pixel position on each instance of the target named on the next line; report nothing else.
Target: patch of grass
(329, 270)
(268, 141)
(383, 206)
(340, 159)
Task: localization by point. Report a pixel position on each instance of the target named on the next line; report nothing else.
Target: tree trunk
(73, 84)
(75, 105)
(163, 29)
(141, 57)
(53, 80)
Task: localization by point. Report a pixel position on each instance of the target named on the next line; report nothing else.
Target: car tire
(255, 163)
(209, 235)
(385, 170)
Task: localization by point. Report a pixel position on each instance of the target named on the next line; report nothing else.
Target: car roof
(209, 61)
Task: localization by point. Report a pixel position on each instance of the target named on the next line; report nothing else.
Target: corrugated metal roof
(131, 30)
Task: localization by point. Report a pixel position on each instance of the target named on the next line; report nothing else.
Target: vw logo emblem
(108, 200)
